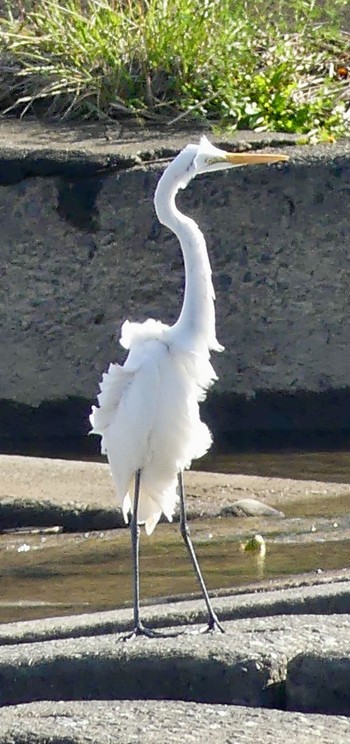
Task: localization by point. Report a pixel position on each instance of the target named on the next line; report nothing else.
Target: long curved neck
(196, 322)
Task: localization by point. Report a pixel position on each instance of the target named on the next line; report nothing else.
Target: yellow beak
(251, 158)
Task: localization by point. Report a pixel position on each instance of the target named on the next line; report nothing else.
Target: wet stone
(250, 508)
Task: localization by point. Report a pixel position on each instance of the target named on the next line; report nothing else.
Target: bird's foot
(213, 626)
(140, 630)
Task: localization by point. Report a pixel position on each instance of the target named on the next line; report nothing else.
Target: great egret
(148, 412)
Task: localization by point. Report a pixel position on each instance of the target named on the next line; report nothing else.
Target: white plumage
(164, 382)
(148, 412)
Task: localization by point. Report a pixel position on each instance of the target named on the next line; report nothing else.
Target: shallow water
(47, 575)
(321, 466)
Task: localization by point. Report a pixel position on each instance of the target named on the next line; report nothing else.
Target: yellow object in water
(256, 544)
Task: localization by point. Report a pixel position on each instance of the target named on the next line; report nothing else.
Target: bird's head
(207, 158)
(194, 160)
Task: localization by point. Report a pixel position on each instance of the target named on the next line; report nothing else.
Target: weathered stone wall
(81, 250)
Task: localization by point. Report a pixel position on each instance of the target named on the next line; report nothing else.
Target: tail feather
(151, 504)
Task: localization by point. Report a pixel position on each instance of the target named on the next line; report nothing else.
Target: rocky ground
(282, 668)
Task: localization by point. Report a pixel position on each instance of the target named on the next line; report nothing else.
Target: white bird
(148, 413)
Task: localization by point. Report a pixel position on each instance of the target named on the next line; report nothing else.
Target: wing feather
(125, 391)
(112, 388)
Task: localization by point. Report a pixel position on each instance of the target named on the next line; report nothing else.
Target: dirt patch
(44, 491)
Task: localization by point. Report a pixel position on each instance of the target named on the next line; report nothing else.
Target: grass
(263, 66)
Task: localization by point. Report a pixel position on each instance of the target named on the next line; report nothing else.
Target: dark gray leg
(213, 622)
(139, 628)
(135, 548)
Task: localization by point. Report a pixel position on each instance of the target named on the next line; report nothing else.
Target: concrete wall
(81, 250)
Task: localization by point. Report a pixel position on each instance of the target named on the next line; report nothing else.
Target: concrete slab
(54, 148)
(328, 595)
(149, 721)
(248, 665)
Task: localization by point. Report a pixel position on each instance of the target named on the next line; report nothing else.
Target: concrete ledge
(261, 662)
(299, 596)
(82, 250)
(126, 721)
(319, 681)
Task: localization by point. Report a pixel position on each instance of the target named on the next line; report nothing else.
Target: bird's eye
(211, 160)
